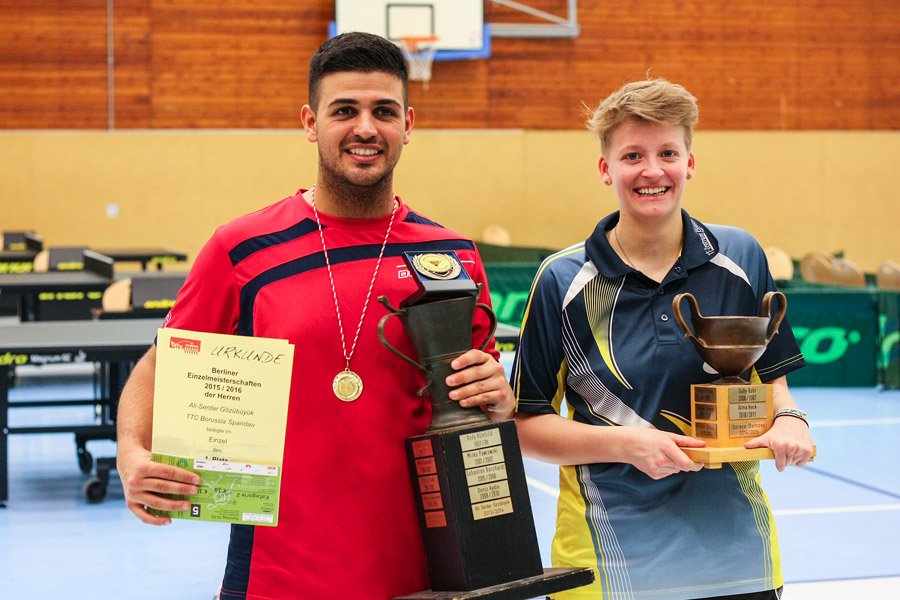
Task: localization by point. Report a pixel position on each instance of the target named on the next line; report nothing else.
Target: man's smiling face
(360, 126)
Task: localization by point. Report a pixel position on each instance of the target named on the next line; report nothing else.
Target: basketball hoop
(419, 52)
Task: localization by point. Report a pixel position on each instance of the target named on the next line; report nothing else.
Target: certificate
(220, 410)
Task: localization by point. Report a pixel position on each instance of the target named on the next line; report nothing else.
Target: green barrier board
(848, 336)
(838, 336)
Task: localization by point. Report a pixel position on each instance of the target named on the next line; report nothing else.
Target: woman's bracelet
(791, 412)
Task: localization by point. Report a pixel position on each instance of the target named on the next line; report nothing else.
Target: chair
(142, 295)
(815, 267)
(888, 276)
(780, 264)
(42, 261)
(117, 297)
(845, 272)
(496, 234)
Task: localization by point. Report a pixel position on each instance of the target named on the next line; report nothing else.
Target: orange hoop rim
(411, 42)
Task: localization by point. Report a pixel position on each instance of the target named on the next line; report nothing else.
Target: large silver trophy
(467, 472)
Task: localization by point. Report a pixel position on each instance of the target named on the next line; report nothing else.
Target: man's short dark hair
(356, 52)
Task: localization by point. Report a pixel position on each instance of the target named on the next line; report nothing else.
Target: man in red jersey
(305, 269)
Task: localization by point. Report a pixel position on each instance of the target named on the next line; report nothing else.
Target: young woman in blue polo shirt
(599, 335)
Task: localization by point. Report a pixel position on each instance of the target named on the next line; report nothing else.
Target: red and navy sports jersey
(348, 526)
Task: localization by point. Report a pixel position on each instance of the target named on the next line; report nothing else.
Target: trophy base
(713, 458)
(552, 580)
(474, 510)
(726, 414)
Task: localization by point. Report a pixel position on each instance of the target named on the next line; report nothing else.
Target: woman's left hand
(790, 439)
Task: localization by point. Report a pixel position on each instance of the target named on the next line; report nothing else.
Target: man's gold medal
(347, 386)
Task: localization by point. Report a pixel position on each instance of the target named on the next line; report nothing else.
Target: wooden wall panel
(232, 64)
(754, 65)
(131, 28)
(53, 64)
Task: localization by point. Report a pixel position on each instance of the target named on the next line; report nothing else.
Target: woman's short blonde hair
(654, 101)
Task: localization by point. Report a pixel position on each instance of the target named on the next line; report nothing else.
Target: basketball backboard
(457, 24)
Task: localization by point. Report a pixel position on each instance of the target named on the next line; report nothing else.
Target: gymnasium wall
(754, 64)
(800, 118)
(799, 190)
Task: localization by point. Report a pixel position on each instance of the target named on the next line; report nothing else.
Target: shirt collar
(699, 246)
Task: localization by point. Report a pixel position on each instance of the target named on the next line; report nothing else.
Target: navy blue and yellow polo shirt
(601, 336)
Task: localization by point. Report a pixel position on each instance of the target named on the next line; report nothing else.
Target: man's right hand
(144, 480)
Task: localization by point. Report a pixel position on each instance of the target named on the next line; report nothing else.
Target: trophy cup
(730, 411)
(467, 472)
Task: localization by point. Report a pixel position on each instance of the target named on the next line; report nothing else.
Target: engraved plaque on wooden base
(473, 506)
(726, 416)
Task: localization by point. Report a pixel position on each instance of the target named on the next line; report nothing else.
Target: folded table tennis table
(114, 345)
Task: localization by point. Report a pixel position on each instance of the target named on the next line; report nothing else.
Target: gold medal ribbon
(347, 385)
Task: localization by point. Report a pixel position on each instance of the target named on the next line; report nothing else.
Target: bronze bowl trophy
(467, 472)
(730, 411)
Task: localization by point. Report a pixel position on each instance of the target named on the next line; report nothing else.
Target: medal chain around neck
(622, 248)
(348, 356)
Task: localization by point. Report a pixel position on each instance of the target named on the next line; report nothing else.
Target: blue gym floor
(838, 518)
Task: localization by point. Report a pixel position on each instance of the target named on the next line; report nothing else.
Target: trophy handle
(779, 314)
(493, 319)
(695, 312)
(394, 313)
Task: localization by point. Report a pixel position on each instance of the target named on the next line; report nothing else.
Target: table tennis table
(155, 256)
(59, 295)
(17, 261)
(14, 262)
(114, 345)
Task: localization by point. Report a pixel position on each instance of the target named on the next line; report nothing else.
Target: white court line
(837, 509)
(540, 485)
(855, 422)
(552, 491)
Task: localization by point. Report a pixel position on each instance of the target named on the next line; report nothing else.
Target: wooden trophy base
(712, 458)
(551, 581)
(725, 416)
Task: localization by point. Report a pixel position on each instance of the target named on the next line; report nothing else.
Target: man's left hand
(481, 381)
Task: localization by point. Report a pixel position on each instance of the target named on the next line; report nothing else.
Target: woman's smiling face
(648, 165)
